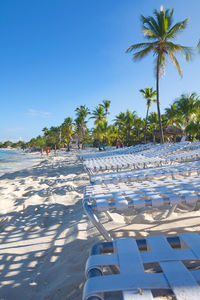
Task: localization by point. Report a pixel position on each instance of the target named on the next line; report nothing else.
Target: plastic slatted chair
(129, 269)
(120, 151)
(153, 157)
(137, 195)
(186, 169)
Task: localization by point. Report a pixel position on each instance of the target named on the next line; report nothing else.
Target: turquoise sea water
(14, 160)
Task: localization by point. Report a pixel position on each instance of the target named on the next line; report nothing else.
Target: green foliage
(188, 107)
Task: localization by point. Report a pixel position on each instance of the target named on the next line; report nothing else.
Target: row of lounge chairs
(131, 269)
(155, 157)
(119, 151)
(137, 195)
(185, 169)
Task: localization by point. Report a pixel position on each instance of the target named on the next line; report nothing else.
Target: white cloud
(13, 129)
(37, 113)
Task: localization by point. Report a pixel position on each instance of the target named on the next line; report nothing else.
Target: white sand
(46, 237)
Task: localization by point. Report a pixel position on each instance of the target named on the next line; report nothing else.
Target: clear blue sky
(58, 54)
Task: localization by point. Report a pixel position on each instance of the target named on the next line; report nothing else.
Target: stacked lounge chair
(184, 169)
(136, 195)
(156, 156)
(132, 269)
(140, 274)
(119, 151)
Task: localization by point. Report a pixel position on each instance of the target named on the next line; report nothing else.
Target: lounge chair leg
(171, 210)
(108, 216)
(197, 205)
(95, 221)
(94, 298)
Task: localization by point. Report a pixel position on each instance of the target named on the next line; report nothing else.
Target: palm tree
(119, 120)
(67, 131)
(193, 128)
(173, 115)
(128, 124)
(98, 114)
(138, 126)
(106, 105)
(100, 121)
(82, 112)
(46, 131)
(160, 34)
(148, 94)
(119, 123)
(153, 122)
(188, 106)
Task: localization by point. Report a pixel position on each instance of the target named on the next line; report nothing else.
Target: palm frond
(140, 54)
(160, 16)
(153, 25)
(149, 34)
(172, 33)
(137, 46)
(150, 27)
(186, 51)
(170, 17)
(174, 48)
(198, 47)
(175, 62)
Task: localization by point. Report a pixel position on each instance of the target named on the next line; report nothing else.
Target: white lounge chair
(136, 195)
(153, 158)
(126, 150)
(129, 269)
(185, 169)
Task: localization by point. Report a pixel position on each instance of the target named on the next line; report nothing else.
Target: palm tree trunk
(145, 128)
(79, 137)
(128, 136)
(158, 103)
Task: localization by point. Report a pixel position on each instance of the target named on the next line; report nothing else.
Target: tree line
(127, 127)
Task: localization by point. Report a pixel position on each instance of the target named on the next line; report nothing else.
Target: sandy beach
(46, 237)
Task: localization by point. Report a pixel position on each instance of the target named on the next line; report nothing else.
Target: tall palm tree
(138, 126)
(153, 122)
(67, 131)
(128, 124)
(119, 120)
(106, 105)
(160, 33)
(98, 114)
(119, 123)
(46, 131)
(82, 112)
(100, 121)
(148, 94)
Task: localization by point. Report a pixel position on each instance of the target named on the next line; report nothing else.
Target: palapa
(171, 130)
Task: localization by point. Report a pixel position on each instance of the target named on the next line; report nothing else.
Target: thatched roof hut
(171, 130)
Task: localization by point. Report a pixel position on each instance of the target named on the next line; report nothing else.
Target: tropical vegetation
(126, 127)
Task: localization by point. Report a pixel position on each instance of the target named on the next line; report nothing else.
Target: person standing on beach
(47, 151)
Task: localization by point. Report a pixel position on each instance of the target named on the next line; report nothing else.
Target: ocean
(14, 160)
